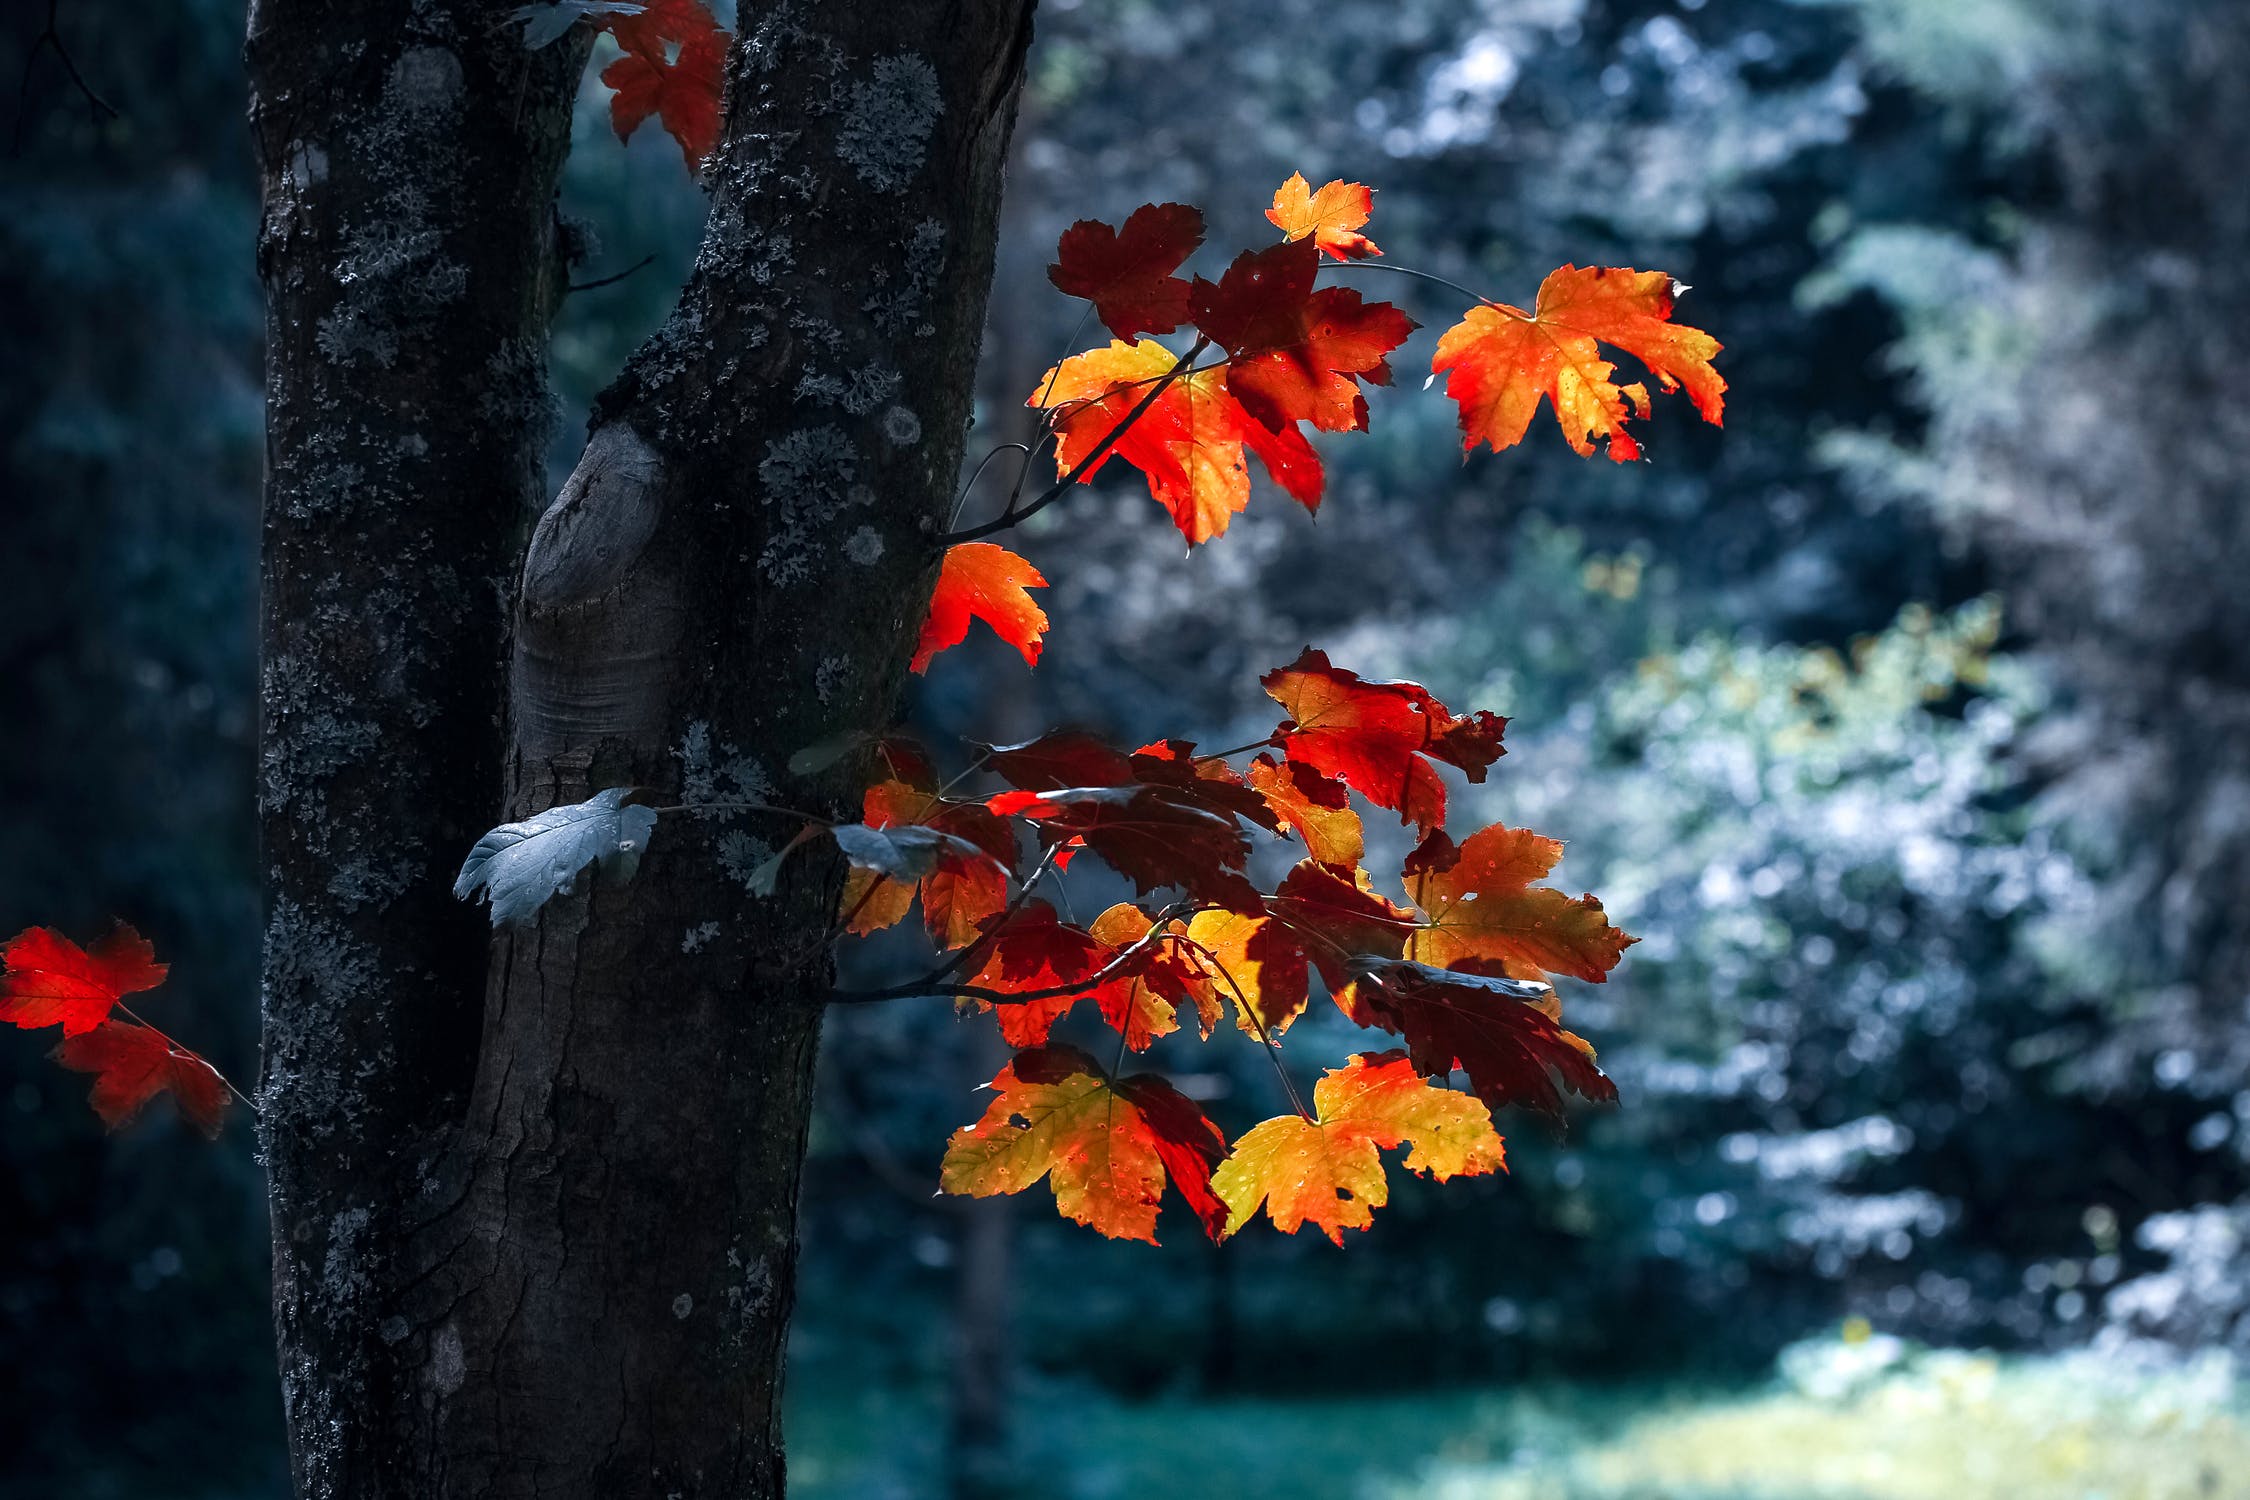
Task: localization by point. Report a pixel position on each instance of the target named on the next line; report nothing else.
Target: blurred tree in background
(1903, 720)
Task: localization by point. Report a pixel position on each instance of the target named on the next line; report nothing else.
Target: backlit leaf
(1500, 362)
(1329, 1172)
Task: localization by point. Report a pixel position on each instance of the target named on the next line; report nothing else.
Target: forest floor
(1863, 1419)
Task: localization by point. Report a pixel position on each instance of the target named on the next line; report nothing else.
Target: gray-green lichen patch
(896, 303)
(888, 117)
(863, 546)
(712, 777)
(829, 676)
(698, 937)
(902, 427)
(310, 1087)
(858, 393)
(740, 855)
(805, 482)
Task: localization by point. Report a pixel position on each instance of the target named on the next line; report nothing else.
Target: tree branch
(1014, 516)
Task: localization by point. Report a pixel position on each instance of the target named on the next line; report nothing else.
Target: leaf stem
(1373, 265)
(140, 1020)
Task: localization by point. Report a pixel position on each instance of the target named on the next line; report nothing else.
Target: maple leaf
(522, 866)
(958, 894)
(1295, 353)
(1189, 443)
(1479, 904)
(1314, 805)
(1329, 1172)
(1029, 950)
(681, 88)
(1127, 273)
(1338, 918)
(133, 1064)
(1331, 216)
(1503, 1033)
(1143, 1001)
(987, 582)
(51, 981)
(1151, 835)
(1058, 759)
(1500, 361)
(1106, 1146)
(1379, 737)
(1205, 782)
(1255, 962)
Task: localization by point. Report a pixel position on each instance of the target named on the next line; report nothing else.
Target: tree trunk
(577, 1281)
(409, 165)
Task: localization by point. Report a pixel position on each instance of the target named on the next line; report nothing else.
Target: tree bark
(577, 1282)
(409, 159)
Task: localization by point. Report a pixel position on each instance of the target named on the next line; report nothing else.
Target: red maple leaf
(1503, 1033)
(673, 69)
(1295, 353)
(133, 1064)
(51, 981)
(1151, 835)
(1032, 949)
(1059, 758)
(1379, 737)
(984, 581)
(1499, 362)
(1127, 273)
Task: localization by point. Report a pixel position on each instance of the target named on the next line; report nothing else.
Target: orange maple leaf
(1331, 216)
(1107, 1146)
(1329, 1172)
(1499, 362)
(51, 981)
(1479, 904)
(959, 894)
(1189, 443)
(984, 581)
(1314, 805)
(133, 1064)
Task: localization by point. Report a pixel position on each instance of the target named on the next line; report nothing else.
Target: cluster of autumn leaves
(1458, 972)
(1275, 354)
(1458, 975)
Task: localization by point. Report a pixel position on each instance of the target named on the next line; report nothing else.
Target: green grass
(1869, 1420)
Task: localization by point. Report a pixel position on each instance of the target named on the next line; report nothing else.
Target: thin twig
(934, 983)
(586, 286)
(1375, 265)
(51, 37)
(1243, 1007)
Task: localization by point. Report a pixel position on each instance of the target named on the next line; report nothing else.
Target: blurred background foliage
(1904, 720)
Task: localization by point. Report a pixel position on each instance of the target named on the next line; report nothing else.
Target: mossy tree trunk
(535, 1199)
